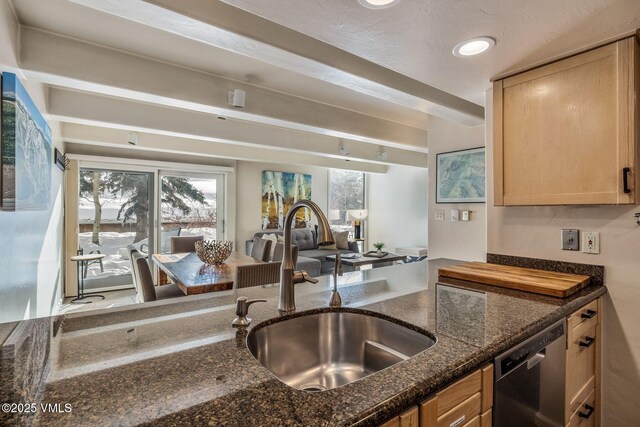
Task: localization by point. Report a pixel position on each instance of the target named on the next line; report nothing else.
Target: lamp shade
(357, 214)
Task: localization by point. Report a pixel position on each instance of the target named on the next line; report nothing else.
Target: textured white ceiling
(416, 37)
(70, 19)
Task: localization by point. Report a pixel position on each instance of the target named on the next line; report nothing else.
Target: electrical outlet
(439, 215)
(570, 240)
(466, 215)
(455, 214)
(591, 242)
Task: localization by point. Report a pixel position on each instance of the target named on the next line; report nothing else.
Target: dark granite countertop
(181, 363)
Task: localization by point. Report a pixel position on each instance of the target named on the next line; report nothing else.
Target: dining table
(193, 276)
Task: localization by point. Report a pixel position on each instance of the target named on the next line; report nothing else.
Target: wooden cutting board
(542, 282)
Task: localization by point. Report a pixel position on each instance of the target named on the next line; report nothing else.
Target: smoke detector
(342, 149)
(237, 98)
(133, 138)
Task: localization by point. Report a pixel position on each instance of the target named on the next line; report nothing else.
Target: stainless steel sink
(321, 351)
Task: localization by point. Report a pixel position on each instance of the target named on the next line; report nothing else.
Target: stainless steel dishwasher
(529, 388)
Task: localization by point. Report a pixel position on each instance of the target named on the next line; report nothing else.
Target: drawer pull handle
(589, 314)
(587, 341)
(587, 414)
(625, 180)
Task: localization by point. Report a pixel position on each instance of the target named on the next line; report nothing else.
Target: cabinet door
(564, 133)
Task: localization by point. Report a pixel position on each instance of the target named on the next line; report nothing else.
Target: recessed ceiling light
(474, 46)
(378, 4)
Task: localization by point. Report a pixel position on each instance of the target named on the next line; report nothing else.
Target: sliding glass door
(190, 205)
(115, 209)
(144, 206)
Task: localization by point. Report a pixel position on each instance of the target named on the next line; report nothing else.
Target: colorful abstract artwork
(280, 190)
(25, 151)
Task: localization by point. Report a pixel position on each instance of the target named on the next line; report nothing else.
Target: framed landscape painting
(280, 190)
(460, 176)
(25, 150)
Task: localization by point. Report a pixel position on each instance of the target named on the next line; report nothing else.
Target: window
(189, 206)
(142, 205)
(346, 192)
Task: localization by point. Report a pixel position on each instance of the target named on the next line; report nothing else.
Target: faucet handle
(307, 278)
(303, 276)
(242, 309)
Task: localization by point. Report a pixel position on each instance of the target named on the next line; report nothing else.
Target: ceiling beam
(115, 142)
(72, 63)
(219, 24)
(87, 108)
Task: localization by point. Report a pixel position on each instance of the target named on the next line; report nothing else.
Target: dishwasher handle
(536, 358)
(530, 352)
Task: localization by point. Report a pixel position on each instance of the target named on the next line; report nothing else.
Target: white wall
(398, 203)
(31, 241)
(459, 240)
(249, 194)
(535, 232)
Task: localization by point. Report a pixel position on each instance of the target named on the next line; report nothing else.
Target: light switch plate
(455, 214)
(570, 240)
(439, 215)
(466, 215)
(591, 242)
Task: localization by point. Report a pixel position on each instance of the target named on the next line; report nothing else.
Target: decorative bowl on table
(214, 252)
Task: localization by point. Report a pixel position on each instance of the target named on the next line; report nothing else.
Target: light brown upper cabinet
(566, 133)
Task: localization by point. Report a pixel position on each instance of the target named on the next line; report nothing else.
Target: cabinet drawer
(486, 419)
(483, 420)
(458, 404)
(457, 416)
(583, 319)
(587, 414)
(581, 361)
(458, 392)
(577, 400)
(408, 418)
(475, 422)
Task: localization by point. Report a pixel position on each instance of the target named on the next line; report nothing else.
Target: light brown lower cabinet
(583, 366)
(469, 401)
(465, 403)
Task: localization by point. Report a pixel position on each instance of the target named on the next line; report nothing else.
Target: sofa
(310, 257)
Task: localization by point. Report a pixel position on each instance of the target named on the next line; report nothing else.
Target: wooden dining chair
(181, 244)
(261, 249)
(147, 290)
(250, 275)
(278, 253)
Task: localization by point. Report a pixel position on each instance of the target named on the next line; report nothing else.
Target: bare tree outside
(115, 210)
(346, 192)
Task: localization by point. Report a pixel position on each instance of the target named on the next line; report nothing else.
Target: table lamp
(357, 216)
